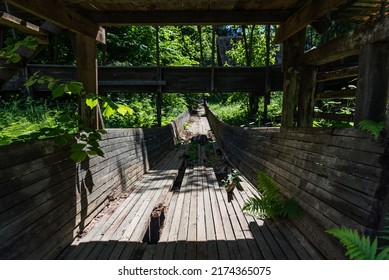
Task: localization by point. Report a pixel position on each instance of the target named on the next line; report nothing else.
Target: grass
(21, 116)
(231, 113)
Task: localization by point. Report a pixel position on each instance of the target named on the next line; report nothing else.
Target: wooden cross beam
(350, 44)
(24, 26)
(58, 13)
(190, 17)
(304, 16)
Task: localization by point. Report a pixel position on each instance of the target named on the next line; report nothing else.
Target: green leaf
(59, 91)
(78, 156)
(108, 112)
(78, 147)
(123, 110)
(92, 103)
(74, 88)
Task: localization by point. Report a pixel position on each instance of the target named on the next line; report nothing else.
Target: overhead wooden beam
(190, 17)
(58, 13)
(307, 14)
(24, 26)
(350, 44)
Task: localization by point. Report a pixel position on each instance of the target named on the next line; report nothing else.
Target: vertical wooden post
(266, 99)
(86, 53)
(373, 85)
(306, 102)
(293, 51)
(159, 76)
(213, 59)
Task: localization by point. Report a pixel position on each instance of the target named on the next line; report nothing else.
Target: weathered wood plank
(184, 220)
(334, 117)
(338, 74)
(24, 26)
(190, 17)
(350, 44)
(340, 94)
(305, 15)
(191, 247)
(56, 12)
(217, 219)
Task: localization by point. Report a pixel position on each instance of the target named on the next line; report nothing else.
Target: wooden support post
(306, 102)
(159, 108)
(159, 77)
(373, 85)
(87, 74)
(213, 59)
(266, 99)
(293, 51)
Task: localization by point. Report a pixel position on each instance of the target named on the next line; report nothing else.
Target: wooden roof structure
(87, 16)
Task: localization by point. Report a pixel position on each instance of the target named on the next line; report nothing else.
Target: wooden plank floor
(200, 223)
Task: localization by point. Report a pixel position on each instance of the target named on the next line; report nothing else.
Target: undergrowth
(271, 203)
(22, 116)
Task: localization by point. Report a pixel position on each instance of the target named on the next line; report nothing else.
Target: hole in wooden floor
(181, 172)
(157, 220)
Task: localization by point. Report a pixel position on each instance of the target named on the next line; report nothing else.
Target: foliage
(231, 113)
(131, 46)
(256, 48)
(21, 117)
(271, 203)
(144, 110)
(87, 140)
(9, 52)
(374, 128)
(359, 247)
(231, 181)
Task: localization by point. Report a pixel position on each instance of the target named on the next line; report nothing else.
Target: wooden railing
(46, 200)
(334, 174)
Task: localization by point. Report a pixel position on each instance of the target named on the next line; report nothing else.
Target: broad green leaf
(91, 102)
(78, 156)
(74, 88)
(108, 112)
(52, 84)
(59, 91)
(31, 81)
(124, 110)
(78, 147)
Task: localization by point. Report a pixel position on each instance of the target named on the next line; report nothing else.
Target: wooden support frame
(373, 83)
(190, 17)
(24, 26)
(58, 13)
(306, 103)
(86, 57)
(371, 32)
(293, 51)
(304, 16)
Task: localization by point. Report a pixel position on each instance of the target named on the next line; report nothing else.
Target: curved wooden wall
(334, 174)
(46, 199)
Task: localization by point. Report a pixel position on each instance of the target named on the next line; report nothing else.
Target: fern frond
(372, 127)
(255, 206)
(357, 248)
(384, 254)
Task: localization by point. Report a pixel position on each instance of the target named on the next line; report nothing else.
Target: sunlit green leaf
(92, 103)
(108, 112)
(122, 109)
